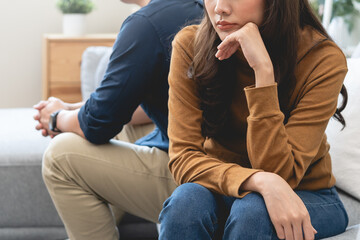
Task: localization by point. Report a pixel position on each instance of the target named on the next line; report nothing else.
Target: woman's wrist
(260, 182)
(264, 76)
(255, 182)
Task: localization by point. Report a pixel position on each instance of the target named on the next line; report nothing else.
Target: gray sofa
(27, 212)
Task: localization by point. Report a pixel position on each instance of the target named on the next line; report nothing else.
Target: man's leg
(83, 179)
(130, 133)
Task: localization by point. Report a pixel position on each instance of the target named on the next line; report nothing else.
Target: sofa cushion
(345, 144)
(352, 206)
(93, 65)
(351, 233)
(24, 200)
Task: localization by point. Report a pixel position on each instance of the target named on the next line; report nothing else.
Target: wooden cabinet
(61, 63)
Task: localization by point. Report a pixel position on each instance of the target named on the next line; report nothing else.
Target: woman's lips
(224, 25)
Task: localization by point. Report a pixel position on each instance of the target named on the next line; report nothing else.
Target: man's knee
(59, 148)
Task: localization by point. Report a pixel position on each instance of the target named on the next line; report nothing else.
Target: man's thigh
(131, 133)
(133, 178)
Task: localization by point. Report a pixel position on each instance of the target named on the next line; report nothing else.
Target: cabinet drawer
(65, 60)
(62, 61)
(68, 92)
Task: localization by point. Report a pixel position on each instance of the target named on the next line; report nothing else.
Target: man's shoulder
(166, 7)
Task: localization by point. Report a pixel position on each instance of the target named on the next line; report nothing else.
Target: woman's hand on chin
(286, 209)
(249, 39)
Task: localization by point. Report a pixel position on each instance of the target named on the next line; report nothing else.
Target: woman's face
(227, 16)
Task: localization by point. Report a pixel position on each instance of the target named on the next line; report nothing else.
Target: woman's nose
(222, 7)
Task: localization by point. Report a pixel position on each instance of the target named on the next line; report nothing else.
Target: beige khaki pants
(83, 179)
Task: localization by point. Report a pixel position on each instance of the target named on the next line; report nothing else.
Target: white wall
(22, 24)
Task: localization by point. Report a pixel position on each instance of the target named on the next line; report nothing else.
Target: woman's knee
(189, 203)
(249, 218)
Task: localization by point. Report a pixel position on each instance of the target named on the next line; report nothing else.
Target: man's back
(137, 72)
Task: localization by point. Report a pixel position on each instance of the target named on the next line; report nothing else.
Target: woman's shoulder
(185, 37)
(317, 47)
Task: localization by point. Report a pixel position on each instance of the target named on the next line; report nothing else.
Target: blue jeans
(194, 212)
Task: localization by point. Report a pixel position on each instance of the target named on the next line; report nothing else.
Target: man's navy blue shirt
(137, 73)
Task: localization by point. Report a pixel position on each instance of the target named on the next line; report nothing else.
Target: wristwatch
(52, 122)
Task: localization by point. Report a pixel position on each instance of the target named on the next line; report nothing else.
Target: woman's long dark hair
(216, 79)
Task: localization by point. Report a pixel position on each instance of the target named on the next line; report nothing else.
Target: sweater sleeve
(188, 159)
(290, 149)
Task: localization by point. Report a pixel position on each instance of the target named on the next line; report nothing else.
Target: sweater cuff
(262, 101)
(235, 177)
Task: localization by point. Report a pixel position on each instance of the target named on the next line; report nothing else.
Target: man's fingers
(44, 132)
(39, 126)
(40, 105)
(37, 116)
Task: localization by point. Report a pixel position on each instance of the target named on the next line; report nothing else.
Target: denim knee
(189, 213)
(249, 219)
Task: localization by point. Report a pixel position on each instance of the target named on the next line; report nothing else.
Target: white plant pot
(74, 24)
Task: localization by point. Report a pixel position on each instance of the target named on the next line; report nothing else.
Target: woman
(252, 89)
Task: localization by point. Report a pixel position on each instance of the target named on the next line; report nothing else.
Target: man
(83, 178)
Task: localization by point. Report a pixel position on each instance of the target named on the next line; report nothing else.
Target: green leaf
(75, 6)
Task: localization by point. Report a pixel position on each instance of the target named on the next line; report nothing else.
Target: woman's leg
(327, 212)
(190, 213)
(83, 178)
(249, 218)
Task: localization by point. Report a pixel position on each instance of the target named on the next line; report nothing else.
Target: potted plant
(345, 24)
(344, 27)
(74, 15)
(347, 9)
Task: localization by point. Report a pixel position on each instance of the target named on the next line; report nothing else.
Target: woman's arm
(285, 149)
(188, 159)
(286, 210)
(288, 149)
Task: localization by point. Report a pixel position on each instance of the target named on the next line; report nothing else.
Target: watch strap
(53, 119)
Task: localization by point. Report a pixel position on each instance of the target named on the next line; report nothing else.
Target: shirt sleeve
(188, 159)
(289, 149)
(135, 61)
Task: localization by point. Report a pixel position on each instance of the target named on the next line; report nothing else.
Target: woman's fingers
(227, 51)
(279, 231)
(298, 231)
(289, 235)
(227, 47)
(309, 230)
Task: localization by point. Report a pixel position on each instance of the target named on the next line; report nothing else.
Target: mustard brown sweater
(256, 138)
